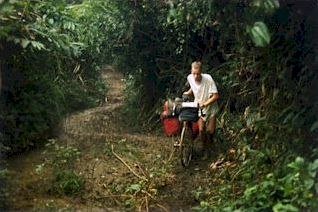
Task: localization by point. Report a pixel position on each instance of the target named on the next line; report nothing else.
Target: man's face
(196, 72)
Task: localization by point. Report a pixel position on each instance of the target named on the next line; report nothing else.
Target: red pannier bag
(195, 128)
(171, 124)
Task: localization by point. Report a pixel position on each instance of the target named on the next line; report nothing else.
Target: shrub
(67, 183)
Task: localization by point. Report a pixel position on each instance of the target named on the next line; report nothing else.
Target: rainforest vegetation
(261, 53)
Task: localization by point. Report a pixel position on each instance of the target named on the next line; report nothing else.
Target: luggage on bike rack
(189, 109)
(189, 114)
(171, 124)
(174, 112)
(195, 128)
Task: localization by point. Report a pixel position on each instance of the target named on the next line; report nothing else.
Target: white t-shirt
(202, 91)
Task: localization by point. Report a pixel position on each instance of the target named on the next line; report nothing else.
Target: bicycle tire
(186, 145)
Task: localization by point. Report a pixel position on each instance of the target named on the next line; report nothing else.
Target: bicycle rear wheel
(186, 142)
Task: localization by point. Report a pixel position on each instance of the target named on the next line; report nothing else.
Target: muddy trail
(99, 163)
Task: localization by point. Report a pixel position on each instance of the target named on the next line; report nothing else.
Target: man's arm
(213, 98)
(188, 92)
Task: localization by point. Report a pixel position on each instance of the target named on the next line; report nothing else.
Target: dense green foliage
(260, 53)
(50, 65)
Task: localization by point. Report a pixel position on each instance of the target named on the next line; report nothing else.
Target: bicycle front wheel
(186, 145)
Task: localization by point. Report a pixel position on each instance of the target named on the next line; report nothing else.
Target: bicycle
(188, 116)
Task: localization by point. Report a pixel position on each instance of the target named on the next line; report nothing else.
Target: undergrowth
(60, 160)
(259, 174)
(4, 184)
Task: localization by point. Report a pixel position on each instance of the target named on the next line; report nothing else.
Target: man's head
(196, 71)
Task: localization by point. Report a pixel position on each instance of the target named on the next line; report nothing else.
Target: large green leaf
(314, 126)
(260, 34)
(279, 207)
(268, 6)
(271, 5)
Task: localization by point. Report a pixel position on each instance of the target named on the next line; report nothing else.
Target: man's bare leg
(201, 125)
(203, 138)
(211, 128)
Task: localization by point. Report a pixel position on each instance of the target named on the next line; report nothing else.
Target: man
(204, 90)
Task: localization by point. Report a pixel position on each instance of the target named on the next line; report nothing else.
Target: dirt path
(122, 170)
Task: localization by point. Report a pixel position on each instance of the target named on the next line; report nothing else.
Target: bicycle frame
(187, 138)
(186, 143)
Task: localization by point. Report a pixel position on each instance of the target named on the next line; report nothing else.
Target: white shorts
(210, 111)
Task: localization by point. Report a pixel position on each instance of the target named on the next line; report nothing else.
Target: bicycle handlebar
(193, 105)
(188, 105)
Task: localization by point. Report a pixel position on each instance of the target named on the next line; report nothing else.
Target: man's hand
(202, 105)
(188, 92)
(213, 98)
